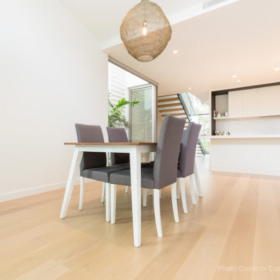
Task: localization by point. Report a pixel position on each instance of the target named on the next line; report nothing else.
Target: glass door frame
(154, 108)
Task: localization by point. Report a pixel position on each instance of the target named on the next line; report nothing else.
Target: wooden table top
(112, 144)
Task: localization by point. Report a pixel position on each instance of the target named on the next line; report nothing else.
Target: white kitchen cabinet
(250, 103)
(269, 101)
(235, 103)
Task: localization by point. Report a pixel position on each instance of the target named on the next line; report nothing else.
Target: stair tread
(174, 114)
(167, 110)
(170, 105)
(166, 96)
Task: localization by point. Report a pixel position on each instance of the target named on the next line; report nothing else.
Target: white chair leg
(157, 212)
(197, 181)
(191, 178)
(174, 202)
(103, 192)
(144, 197)
(151, 192)
(113, 203)
(159, 193)
(183, 195)
(178, 188)
(108, 202)
(81, 193)
(126, 189)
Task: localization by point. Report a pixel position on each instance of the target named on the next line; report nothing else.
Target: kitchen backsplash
(250, 126)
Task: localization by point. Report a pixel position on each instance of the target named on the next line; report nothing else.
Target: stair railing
(189, 112)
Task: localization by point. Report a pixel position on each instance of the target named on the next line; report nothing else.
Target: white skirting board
(245, 171)
(36, 190)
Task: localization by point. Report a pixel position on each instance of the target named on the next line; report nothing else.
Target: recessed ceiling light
(190, 88)
(233, 74)
(277, 66)
(175, 51)
(238, 81)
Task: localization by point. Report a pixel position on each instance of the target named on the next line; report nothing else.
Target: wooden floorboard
(232, 233)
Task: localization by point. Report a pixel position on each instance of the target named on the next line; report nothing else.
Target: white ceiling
(104, 17)
(243, 36)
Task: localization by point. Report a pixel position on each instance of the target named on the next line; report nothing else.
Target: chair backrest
(91, 134)
(118, 135)
(188, 149)
(168, 148)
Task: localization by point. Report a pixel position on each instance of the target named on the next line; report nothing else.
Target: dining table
(135, 149)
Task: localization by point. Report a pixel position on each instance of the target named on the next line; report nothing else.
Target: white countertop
(240, 136)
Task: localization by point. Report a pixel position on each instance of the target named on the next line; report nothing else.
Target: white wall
(117, 83)
(53, 75)
(133, 81)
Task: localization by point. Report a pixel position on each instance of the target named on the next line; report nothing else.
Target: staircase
(172, 105)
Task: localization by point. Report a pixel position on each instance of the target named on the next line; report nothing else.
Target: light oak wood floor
(232, 233)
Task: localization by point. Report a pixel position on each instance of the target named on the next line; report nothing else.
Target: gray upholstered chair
(93, 165)
(187, 162)
(118, 134)
(162, 174)
(118, 159)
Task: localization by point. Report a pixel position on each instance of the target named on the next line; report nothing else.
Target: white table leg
(197, 181)
(81, 193)
(108, 202)
(113, 203)
(74, 169)
(135, 169)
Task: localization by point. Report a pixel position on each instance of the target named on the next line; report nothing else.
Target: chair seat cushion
(128, 164)
(101, 173)
(123, 178)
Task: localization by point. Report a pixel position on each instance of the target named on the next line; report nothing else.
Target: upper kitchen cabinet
(235, 103)
(269, 101)
(250, 103)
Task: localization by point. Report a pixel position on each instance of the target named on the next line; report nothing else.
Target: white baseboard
(247, 171)
(36, 190)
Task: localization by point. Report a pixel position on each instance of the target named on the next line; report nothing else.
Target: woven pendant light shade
(145, 48)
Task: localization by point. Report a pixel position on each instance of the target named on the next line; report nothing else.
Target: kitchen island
(253, 154)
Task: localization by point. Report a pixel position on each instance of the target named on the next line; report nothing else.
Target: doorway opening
(141, 117)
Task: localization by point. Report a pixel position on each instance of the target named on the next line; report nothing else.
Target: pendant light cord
(145, 12)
